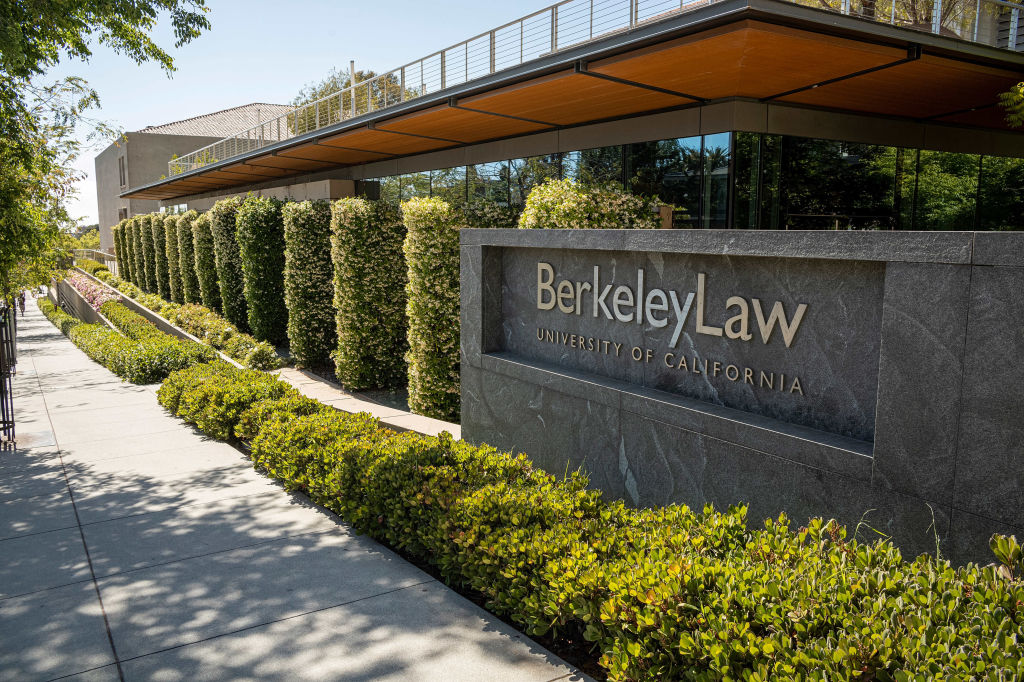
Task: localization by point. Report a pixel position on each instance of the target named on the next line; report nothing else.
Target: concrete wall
(145, 156)
(908, 414)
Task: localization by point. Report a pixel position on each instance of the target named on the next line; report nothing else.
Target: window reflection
(449, 184)
(488, 182)
(1001, 194)
(525, 174)
(600, 166)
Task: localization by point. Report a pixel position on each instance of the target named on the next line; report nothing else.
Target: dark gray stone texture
(933, 321)
(834, 353)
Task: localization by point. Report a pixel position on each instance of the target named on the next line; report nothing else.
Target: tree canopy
(37, 120)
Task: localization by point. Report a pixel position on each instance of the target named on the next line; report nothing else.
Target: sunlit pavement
(133, 547)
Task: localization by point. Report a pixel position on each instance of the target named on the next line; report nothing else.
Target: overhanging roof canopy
(761, 49)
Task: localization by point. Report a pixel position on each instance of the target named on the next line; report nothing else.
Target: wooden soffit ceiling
(748, 58)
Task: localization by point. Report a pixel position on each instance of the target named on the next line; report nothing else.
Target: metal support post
(937, 17)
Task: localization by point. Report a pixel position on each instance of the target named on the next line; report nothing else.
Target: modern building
(140, 158)
(740, 113)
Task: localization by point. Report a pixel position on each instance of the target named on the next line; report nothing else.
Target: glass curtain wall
(760, 181)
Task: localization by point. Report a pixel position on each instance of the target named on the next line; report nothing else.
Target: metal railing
(8, 361)
(571, 23)
(107, 259)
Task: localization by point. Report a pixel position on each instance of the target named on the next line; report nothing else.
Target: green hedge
(173, 263)
(568, 204)
(432, 255)
(261, 245)
(160, 256)
(206, 262)
(138, 259)
(187, 258)
(93, 267)
(369, 294)
(214, 330)
(663, 593)
(308, 290)
(120, 250)
(148, 252)
(229, 261)
(140, 353)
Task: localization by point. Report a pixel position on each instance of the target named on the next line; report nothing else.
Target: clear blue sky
(261, 51)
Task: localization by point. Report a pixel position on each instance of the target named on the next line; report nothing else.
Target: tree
(371, 93)
(37, 121)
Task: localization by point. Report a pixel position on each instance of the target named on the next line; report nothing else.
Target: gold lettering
(544, 285)
(796, 387)
(743, 318)
(701, 327)
(565, 297)
(748, 376)
(734, 374)
(778, 316)
(768, 379)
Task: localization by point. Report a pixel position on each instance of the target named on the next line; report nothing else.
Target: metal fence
(107, 259)
(575, 22)
(8, 360)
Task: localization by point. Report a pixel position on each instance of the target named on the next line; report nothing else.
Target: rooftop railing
(571, 23)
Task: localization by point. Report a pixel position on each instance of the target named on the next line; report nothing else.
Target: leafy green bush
(187, 258)
(91, 266)
(138, 258)
(160, 256)
(261, 245)
(663, 593)
(140, 353)
(214, 330)
(570, 205)
(120, 252)
(432, 254)
(173, 259)
(490, 214)
(60, 319)
(148, 252)
(229, 261)
(369, 294)
(206, 265)
(308, 290)
(213, 397)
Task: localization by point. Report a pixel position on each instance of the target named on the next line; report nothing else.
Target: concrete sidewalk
(132, 547)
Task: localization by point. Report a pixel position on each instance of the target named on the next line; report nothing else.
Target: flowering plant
(95, 294)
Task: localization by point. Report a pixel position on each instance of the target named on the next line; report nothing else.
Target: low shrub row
(663, 593)
(91, 266)
(138, 354)
(205, 325)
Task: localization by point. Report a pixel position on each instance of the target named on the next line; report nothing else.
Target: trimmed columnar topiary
(173, 263)
(187, 258)
(261, 246)
(138, 259)
(369, 294)
(119, 250)
(229, 261)
(432, 255)
(570, 205)
(206, 262)
(308, 286)
(160, 256)
(148, 252)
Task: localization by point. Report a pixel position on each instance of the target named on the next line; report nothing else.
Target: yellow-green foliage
(308, 289)
(206, 265)
(369, 294)
(138, 259)
(120, 250)
(187, 258)
(160, 256)
(570, 205)
(93, 267)
(432, 255)
(663, 593)
(148, 252)
(260, 233)
(173, 263)
(229, 261)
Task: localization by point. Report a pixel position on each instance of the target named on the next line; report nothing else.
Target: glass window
(390, 189)
(488, 182)
(415, 185)
(1001, 194)
(525, 174)
(599, 166)
(671, 171)
(715, 199)
(748, 155)
(449, 184)
(947, 188)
